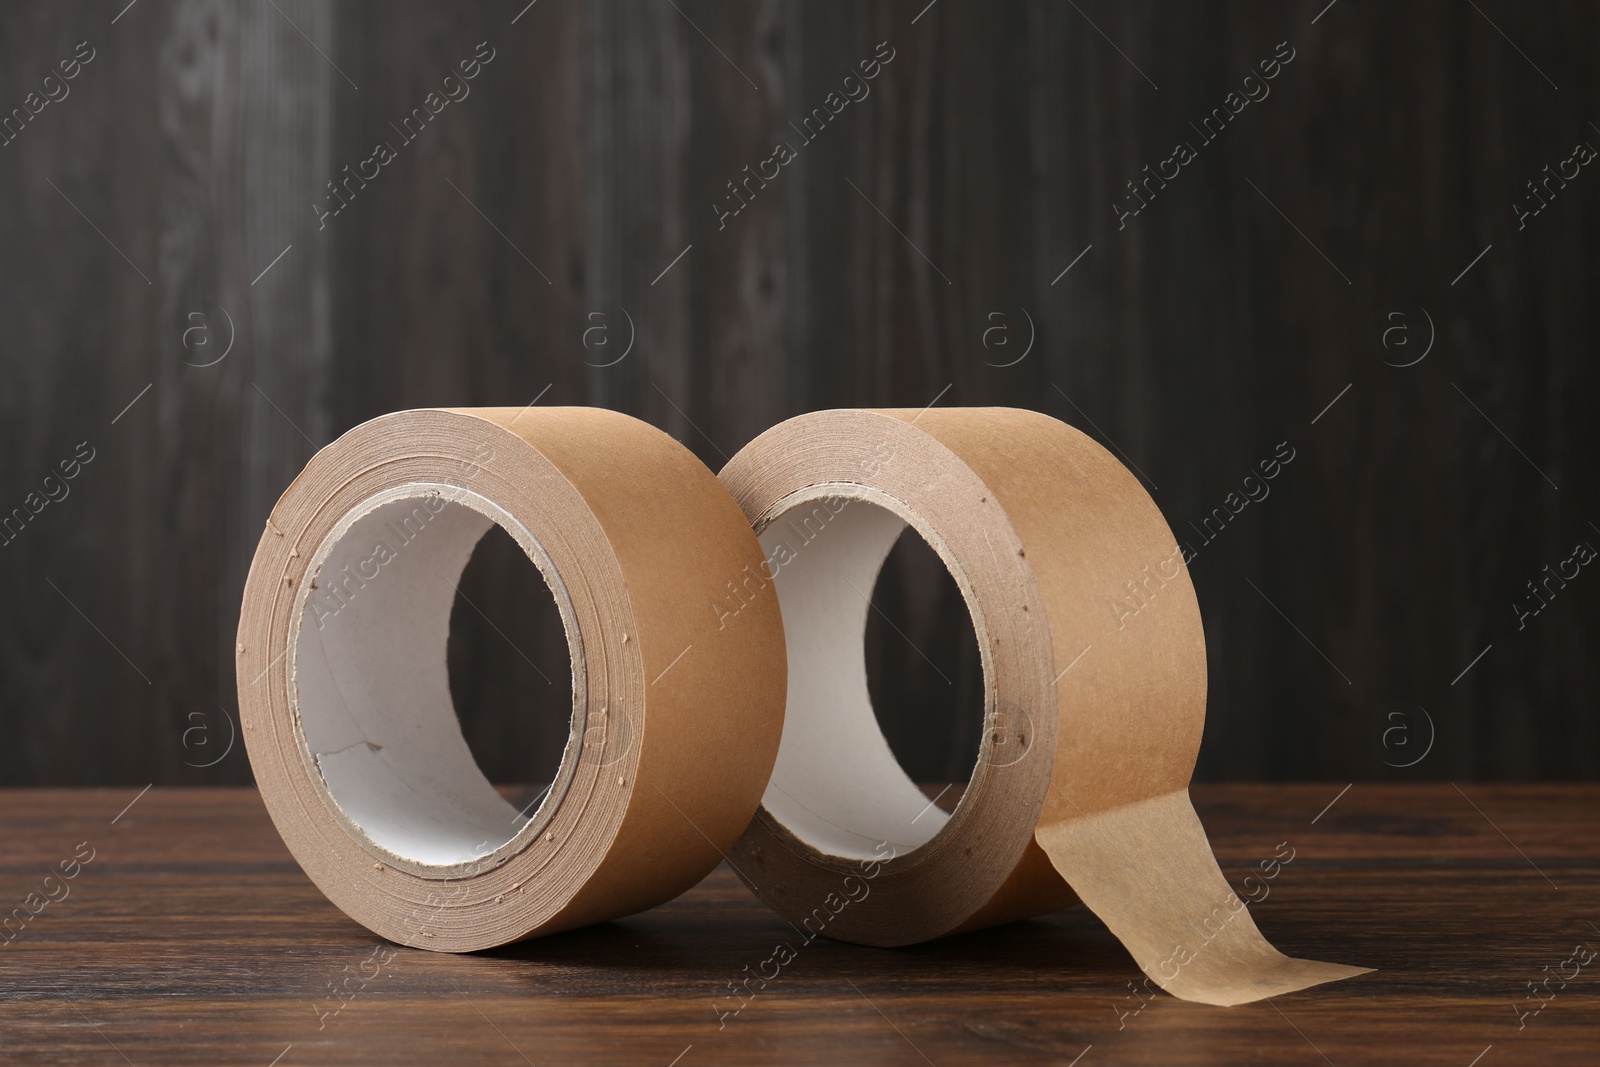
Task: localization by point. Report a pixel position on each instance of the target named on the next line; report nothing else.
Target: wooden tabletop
(189, 936)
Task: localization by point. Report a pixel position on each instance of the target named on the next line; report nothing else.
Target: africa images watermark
(455, 90)
(54, 888)
(852, 890)
(1582, 956)
(1211, 127)
(1233, 504)
(52, 90)
(52, 490)
(344, 991)
(333, 592)
(1582, 554)
(1140, 594)
(753, 580)
(855, 91)
(1211, 926)
(1581, 156)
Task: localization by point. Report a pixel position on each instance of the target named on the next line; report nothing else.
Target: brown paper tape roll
(344, 692)
(1093, 717)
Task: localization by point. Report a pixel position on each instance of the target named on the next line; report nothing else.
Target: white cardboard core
(837, 785)
(371, 688)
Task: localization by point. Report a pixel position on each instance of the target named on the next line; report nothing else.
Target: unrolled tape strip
(1093, 715)
(344, 690)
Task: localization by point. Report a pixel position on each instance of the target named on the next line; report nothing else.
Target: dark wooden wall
(1194, 338)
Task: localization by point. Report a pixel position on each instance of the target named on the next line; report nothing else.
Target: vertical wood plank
(599, 145)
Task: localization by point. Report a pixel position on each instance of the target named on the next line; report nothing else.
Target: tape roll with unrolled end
(1094, 697)
(344, 690)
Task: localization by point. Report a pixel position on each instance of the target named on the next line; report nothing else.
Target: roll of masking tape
(344, 690)
(1093, 714)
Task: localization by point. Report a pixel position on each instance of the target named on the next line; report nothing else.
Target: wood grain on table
(191, 937)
